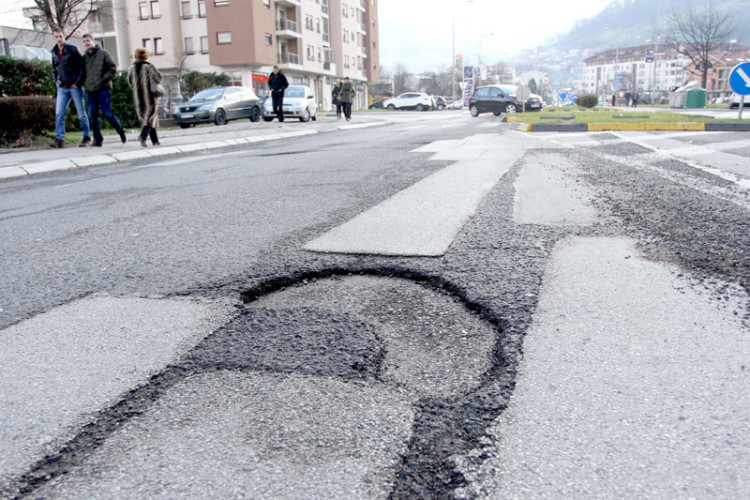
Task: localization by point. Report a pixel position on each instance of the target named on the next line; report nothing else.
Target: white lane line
(424, 219)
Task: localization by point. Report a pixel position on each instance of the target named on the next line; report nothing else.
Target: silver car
(299, 102)
(218, 105)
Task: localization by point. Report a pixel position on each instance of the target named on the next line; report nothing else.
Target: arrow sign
(739, 79)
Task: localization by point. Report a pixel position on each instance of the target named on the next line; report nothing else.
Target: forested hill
(633, 22)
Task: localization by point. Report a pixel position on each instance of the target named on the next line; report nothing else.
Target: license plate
(535, 105)
(187, 115)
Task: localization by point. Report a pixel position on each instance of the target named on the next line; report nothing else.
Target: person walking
(335, 95)
(100, 70)
(347, 97)
(278, 83)
(635, 98)
(142, 76)
(68, 71)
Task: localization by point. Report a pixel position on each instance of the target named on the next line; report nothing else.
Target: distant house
(722, 61)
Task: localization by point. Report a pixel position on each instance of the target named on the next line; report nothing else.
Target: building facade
(658, 68)
(314, 42)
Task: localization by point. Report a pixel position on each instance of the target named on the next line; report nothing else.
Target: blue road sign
(574, 98)
(739, 79)
(563, 95)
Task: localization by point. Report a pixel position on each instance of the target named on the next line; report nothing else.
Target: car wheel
(221, 117)
(420, 107)
(474, 111)
(510, 108)
(315, 116)
(305, 116)
(268, 118)
(186, 125)
(255, 114)
(391, 107)
(496, 113)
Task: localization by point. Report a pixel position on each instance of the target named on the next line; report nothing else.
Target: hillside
(633, 22)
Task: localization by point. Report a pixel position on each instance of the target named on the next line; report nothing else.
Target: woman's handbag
(156, 87)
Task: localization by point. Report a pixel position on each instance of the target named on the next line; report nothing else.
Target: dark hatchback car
(218, 105)
(494, 99)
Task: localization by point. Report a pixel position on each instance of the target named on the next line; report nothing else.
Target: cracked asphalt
(370, 376)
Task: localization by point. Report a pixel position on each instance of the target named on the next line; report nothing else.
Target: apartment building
(314, 42)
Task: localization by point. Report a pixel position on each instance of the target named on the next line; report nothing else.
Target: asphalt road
(242, 323)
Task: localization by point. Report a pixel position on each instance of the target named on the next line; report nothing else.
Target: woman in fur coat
(139, 77)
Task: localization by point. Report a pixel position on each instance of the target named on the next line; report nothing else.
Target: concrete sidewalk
(174, 141)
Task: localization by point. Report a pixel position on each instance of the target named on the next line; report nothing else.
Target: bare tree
(696, 33)
(67, 14)
(400, 78)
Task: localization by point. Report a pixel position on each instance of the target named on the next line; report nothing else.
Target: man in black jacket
(278, 83)
(100, 70)
(68, 71)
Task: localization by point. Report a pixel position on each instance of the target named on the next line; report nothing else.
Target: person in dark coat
(635, 98)
(335, 95)
(68, 71)
(347, 97)
(140, 75)
(278, 83)
(100, 70)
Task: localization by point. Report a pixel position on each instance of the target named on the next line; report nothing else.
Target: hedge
(587, 100)
(25, 117)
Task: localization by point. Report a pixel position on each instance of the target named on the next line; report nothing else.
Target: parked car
(534, 103)
(734, 102)
(440, 102)
(410, 100)
(218, 105)
(376, 104)
(166, 106)
(494, 99)
(299, 102)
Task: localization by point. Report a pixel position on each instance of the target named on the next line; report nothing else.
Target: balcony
(288, 58)
(364, 51)
(287, 29)
(288, 3)
(363, 28)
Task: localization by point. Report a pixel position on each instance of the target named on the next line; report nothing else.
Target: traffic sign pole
(739, 80)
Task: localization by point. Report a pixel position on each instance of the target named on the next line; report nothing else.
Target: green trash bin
(696, 98)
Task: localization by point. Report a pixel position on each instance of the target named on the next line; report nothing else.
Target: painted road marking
(424, 219)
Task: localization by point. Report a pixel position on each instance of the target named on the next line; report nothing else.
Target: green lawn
(607, 115)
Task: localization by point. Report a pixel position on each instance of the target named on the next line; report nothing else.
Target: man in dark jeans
(278, 83)
(100, 70)
(68, 72)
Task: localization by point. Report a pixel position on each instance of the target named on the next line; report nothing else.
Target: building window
(148, 44)
(201, 8)
(235, 78)
(189, 49)
(186, 11)
(149, 9)
(158, 46)
(204, 45)
(224, 37)
(269, 40)
(267, 4)
(221, 2)
(4, 47)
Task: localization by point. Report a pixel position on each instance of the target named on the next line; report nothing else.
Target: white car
(410, 100)
(734, 102)
(299, 102)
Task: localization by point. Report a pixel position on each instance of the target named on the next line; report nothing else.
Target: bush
(25, 117)
(19, 77)
(587, 100)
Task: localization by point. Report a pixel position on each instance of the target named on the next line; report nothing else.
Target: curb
(625, 127)
(13, 172)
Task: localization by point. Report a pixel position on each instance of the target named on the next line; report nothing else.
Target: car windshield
(294, 92)
(208, 95)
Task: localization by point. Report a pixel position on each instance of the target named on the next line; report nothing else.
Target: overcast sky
(419, 33)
